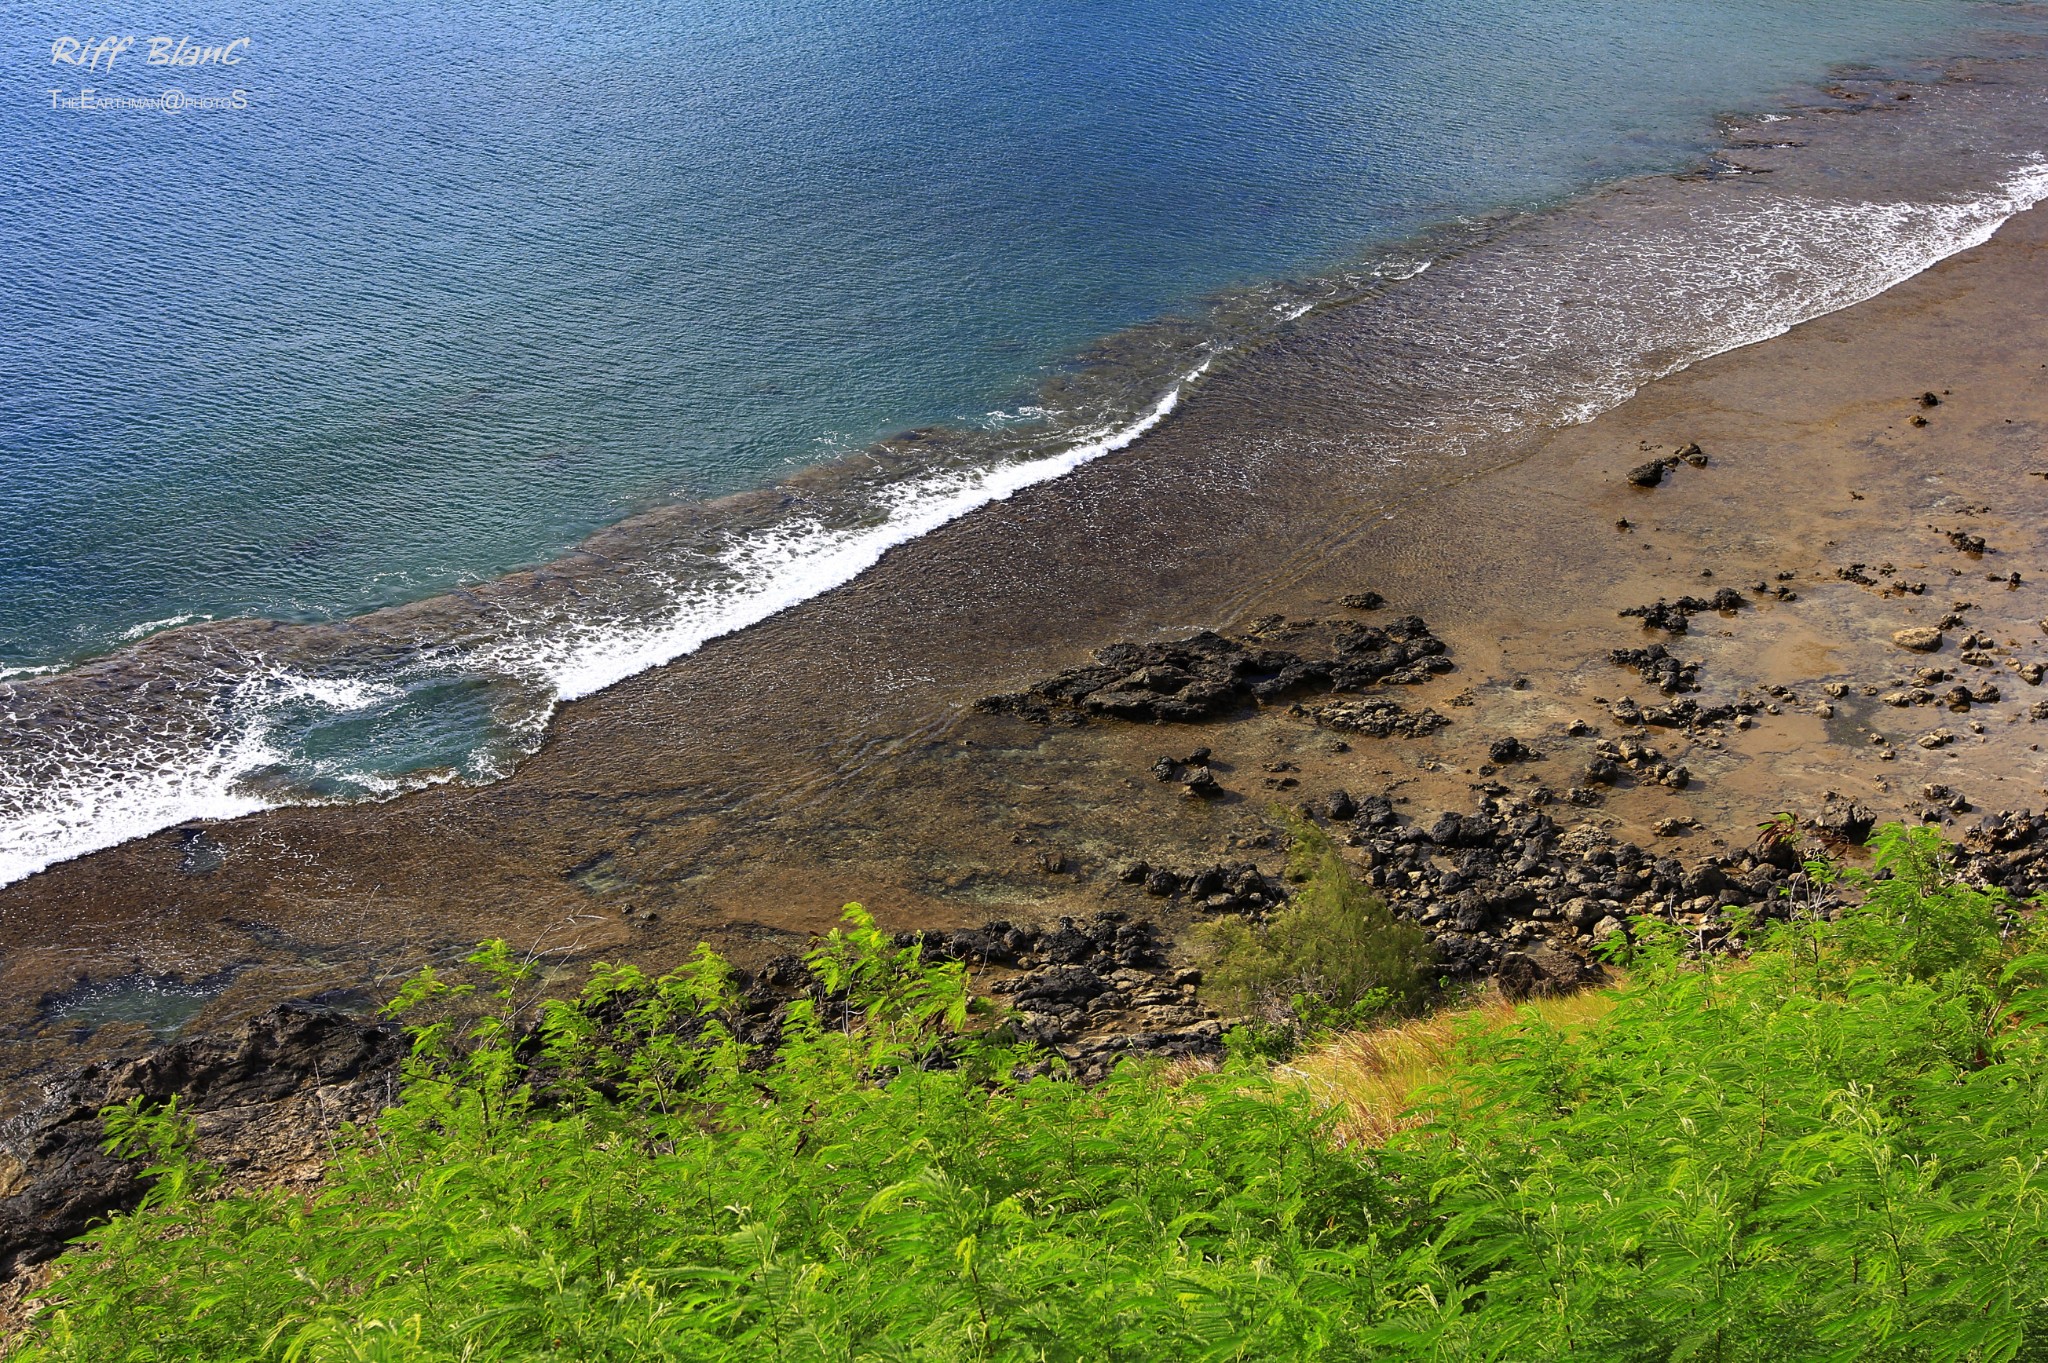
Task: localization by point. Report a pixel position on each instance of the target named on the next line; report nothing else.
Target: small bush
(1335, 956)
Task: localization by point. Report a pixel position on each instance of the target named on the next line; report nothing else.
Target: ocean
(411, 370)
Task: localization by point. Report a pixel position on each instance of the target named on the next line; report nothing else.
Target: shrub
(1335, 955)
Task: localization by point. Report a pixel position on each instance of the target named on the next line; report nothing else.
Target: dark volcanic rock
(1505, 750)
(1657, 666)
(1455, 830)
(1674, 616)
(1684, 713)
(1542, 972)
(1845, 820)
(1375, 811)
(1377, 718)
(1101, 989)
(1967, 542)
(1508, 881)
(2007, 851)
(1211, 675)
(263, 1098)
(1065, 984)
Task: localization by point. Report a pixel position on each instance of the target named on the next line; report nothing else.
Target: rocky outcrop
(1509, 881)
(265, 1097)
(1376, 717)
(1211, 675)
(1100, 989)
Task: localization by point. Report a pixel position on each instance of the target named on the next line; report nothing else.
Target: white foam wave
(106, 793)
(768, 572)
(149, 627)
(1919, 236)
(101, 787)
(105, 788)
(1579, 323)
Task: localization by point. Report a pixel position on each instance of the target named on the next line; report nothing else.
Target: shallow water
(449, 296)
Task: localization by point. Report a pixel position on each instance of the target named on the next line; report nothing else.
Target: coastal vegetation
(1832, 1144)
(1333, 956)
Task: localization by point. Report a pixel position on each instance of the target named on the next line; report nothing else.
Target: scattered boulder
(1946, 796)
(1844, 821)
(1652, 473)
(1674, 616)
(1965, 542)
(1659, 667)
(1375, 811)
(1919, 638)
(1540, 970)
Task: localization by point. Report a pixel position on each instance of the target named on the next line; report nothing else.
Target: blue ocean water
(438, 291)
(462, 283)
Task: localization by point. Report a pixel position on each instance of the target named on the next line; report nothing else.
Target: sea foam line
(776, 569)
(1970, 224)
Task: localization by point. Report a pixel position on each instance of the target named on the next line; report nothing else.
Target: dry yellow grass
(1371, 1077)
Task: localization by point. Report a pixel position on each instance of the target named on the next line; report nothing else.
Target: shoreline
(585, 610)
(831, 753)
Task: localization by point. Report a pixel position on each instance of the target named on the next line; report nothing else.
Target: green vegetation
(1833, 1149)
(1334, 957)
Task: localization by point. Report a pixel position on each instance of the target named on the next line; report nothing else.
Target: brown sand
(743, 794)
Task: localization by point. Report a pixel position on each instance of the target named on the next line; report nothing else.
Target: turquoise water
(461, 285)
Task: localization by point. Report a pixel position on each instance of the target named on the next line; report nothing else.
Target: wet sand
(743, 794)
